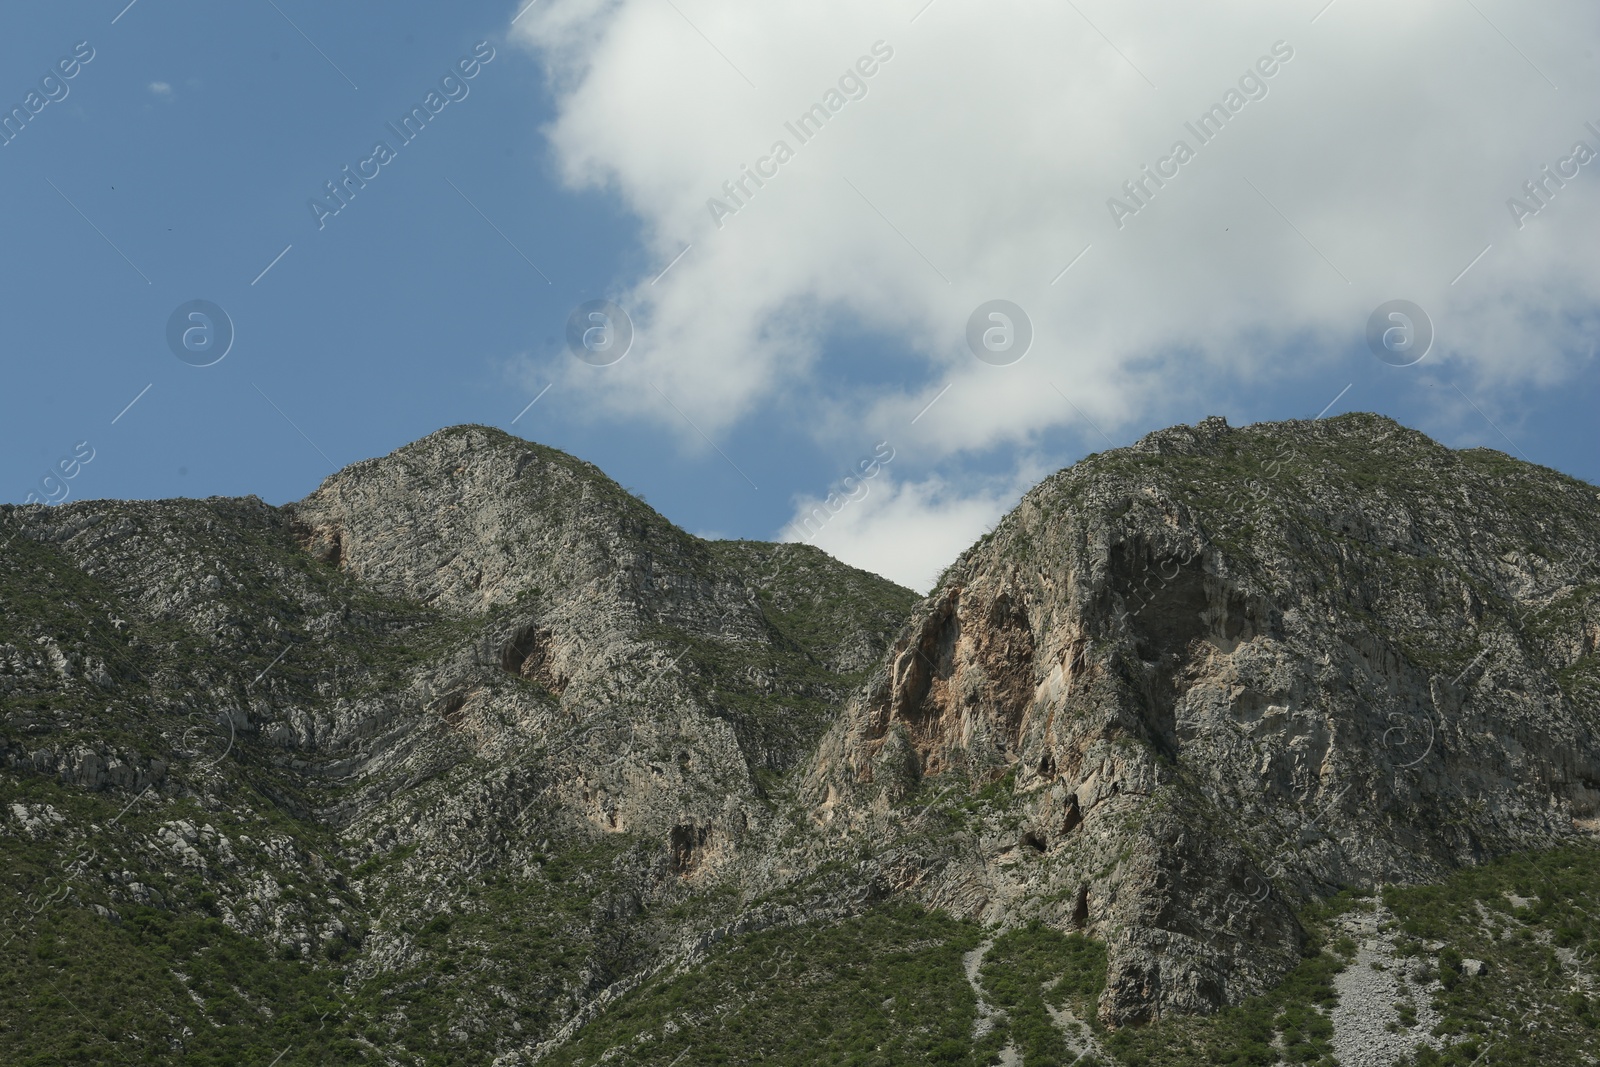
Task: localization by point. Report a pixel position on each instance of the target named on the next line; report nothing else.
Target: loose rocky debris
(1080, 1039)
(988, 1014)
(1385, 1000)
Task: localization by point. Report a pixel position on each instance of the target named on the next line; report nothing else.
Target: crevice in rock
(1073, 817)
(450, 706)
(688, 847)
(1080, 910)
(527, 654)
(1170, 604)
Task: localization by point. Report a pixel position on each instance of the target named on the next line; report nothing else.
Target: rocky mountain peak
(471, 518)
(474, 741)
(1183, 440)
(1224, 670)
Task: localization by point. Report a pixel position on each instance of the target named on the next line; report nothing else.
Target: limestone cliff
(468, 698)
(449, 758)
(1226, 669)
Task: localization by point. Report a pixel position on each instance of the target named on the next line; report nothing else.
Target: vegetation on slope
(1534, 920)
(389, 974)
(888, 986)
(883, 989)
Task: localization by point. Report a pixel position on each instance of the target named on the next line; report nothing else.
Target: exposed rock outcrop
(473, 660)
(472, 719)
(1226, 669)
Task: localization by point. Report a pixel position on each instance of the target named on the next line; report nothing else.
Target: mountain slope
(472, 757)
(470, 726)
(1224, 671)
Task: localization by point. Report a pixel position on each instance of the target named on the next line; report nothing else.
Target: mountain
(1224, 671)
(472, 757)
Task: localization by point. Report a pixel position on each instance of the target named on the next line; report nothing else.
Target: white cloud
(980, 162)
(161, 90)
(907, 531)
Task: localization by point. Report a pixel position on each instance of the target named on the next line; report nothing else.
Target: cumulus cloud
(161, 90)
(1331, 162)
(907, 531)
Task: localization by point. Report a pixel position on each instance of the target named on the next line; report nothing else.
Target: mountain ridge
(473, 727)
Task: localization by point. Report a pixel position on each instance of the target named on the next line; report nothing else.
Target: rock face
(1225, 669)
(473, 665)
(571, 584)
(473, 720)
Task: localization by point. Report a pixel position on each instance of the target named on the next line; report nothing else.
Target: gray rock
(1181, 688)
(1262, 662)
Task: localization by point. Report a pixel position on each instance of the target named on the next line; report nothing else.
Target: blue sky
(820, 319)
